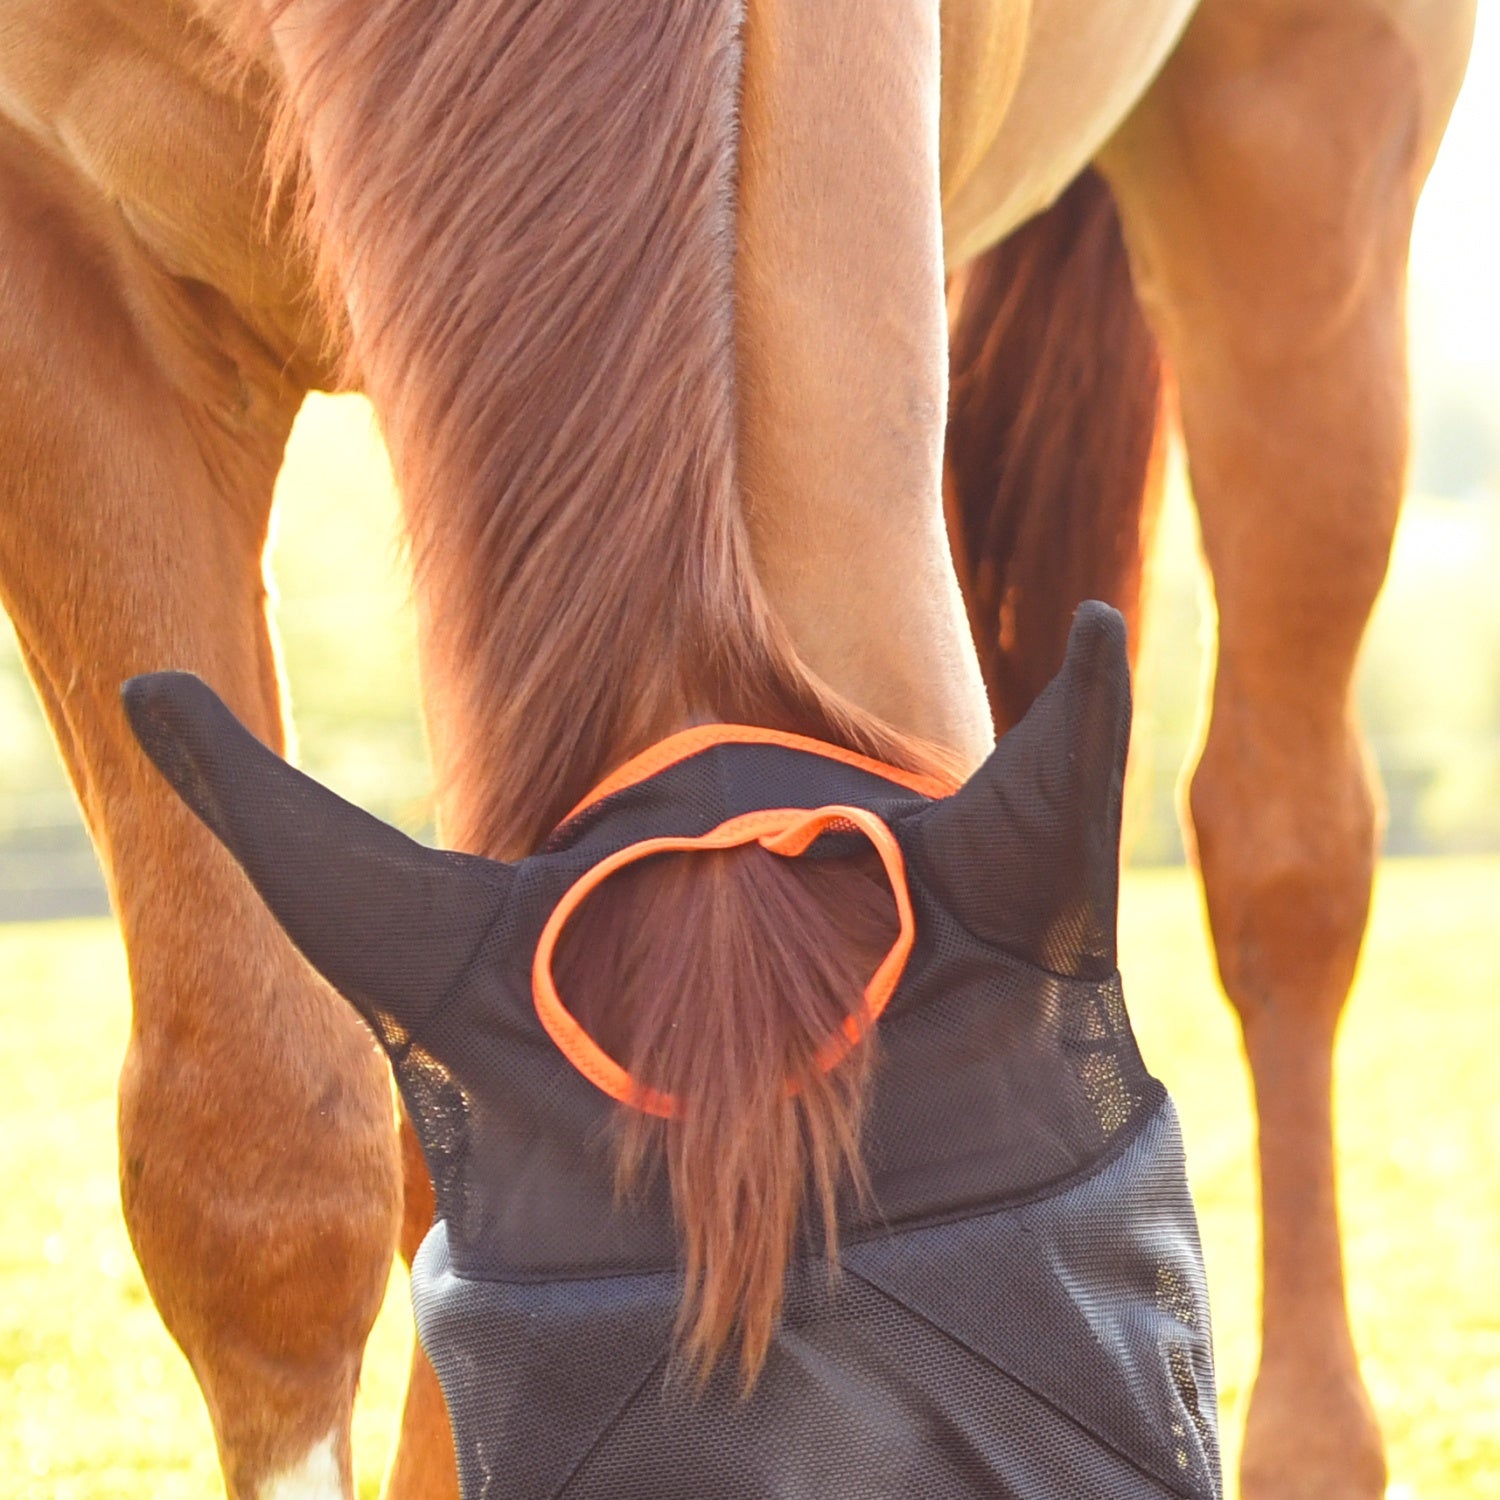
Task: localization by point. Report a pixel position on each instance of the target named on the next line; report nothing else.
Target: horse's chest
(1033, 89)
(145, 116)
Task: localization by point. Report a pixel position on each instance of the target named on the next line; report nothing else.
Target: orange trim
(784, 830)
(688, 742)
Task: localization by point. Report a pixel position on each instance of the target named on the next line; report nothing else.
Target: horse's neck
(842, 359)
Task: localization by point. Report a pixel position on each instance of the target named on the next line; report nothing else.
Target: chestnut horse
(650, 301)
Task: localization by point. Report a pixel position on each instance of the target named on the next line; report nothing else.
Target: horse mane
(528, 212)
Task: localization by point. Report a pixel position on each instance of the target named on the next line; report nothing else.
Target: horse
(656, 307)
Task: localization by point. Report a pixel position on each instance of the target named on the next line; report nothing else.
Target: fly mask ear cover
(1027, 853)
(388, 922)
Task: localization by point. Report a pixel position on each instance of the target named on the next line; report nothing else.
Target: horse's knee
(1285, 834)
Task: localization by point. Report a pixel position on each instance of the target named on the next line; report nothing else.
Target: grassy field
(96, 1402)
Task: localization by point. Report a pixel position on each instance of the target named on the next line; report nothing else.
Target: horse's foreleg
(142, 429)
(1267, 185)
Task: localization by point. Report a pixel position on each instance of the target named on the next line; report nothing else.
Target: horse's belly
(1082, 66)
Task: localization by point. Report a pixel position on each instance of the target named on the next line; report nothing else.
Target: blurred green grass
(96, 1402)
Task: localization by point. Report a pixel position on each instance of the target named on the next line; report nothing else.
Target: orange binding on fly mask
(689, 742)
(783, 831)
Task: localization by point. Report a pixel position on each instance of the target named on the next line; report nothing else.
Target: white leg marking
(315, 1478)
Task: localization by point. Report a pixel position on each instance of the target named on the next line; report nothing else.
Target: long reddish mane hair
(527, 214)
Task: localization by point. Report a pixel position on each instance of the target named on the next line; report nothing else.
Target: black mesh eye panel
(1014, 1101)
(526, 1178)
(1004, 1083)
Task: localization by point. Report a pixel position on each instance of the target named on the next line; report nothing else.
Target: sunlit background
(100, 1404)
